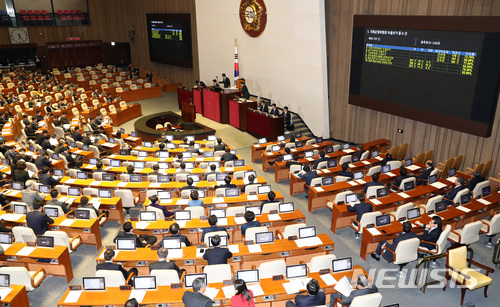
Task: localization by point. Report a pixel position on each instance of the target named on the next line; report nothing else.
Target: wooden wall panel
(111, 20)
(356, 124)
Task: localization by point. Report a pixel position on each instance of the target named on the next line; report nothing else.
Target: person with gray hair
(197, 298)
(164, 263)
(30, 194)
(361, 286)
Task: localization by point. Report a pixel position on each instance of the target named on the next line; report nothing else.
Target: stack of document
(296, 285)
(344, 287)
(312, 241)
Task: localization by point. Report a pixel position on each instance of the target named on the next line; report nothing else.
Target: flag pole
(236, 66)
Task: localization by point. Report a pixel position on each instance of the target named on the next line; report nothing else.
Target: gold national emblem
(253, 17)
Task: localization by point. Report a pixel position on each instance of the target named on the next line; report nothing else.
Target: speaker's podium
(263, 124)
(216, 103)
(188, 112)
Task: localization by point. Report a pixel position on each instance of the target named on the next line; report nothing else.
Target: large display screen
(169, 38)
(446, 78)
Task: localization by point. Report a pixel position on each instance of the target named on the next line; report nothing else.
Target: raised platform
(145, 127)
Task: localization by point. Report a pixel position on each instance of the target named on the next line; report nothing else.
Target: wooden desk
(381, 145)
(139, 94)
(216, 104)
(183, 94)
(257, 149)
(238, 113)
(59, 263)
(18, 297)
(243, 260)
(263, 125)
(274, 293)
(271, 156)
(126, 114)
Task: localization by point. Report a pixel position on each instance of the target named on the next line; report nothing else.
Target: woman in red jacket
(243, 296)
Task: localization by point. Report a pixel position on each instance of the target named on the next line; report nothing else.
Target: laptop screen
(239, 163)
(287, 157)
(264, 237)
(275, 148)
(133, 134)
(58, 172)
(94, 283)
(281, 138)
(413, 213)
(381, 220)
(44, 241)
(72, 191)
(319, 140)
(170, 146)
(220, 176)
(374, 153)
(382, 192)
(296, 271)
(223, 241)
(164, 195)
(108, 177)
(299, 144)
(125, 244)
(208, 154)
(148, 144)
(5, 238)
(142, 154)
(17, 185)
(232, 192)
(262, 141)
(148, 216)
(171, 243)
(351, 198)
(82, 214)
(355, 159)
(298, 135)
(189, 278)
(55, 156)
(409, 185)
(286, 207)
(307, 232)
(104, 193)
(343, 264)
(189, 138)
(486, 191)
(249, 276)
(196, 178)
(163, 154)
(44, 189)
(169, 137)
(51, 212)
(408, 162)
(122, 152)
(201, 194)
(211, 138)
(187, 155)
(189, 165)
(219, 213)
(135, 178)
(263, 189)
(163, 165)
(440, 206)
(115, 163)
(331, 163)
(5, 280)
(452, 172)
(139, 164)
(345, 146)
(255, 209)
(82, 175)
(182, 215)
(465, 199)
(432, 179)
(359, 175)
(92, 161)
(144, 282)
(328, 149)
(163, 178)
(22, 209)
(386, 169)
(327, 181)
(309, 153)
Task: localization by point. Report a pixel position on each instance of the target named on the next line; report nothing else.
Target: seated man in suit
(213, 168)
(475, 180)
(46, 177)
(459, 186)
(84, 203)
(422, 178)
(313, 298)
(174, 232)
(294, 161)
(251, 181)
(227, 183)
(54, 202)
(196, 298)
(37, 219)
(403, 174)
(280, 158)
(322, 157)
(244, 91)
(228, 156)
(192, 149)
(360, 151)
(344, 172)
(108, 264)
(250, 222)
(212, 220)
(270, 198)
(360, 209)
(373, 183)
(308, 177)
(262, 107)
(164, 263)
(274, 111)
(432, 231)
(154, 203)
(219, 146)
(189, 185)
(217, 255)
(383, 245)
(155, 171)
(30, 194)
(388, 157)
(362, 286)
(128, 232)
(43, 161)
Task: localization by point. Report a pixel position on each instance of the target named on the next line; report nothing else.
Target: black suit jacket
(228, 157)
(219, 147)
(183, 239)
(112, 267)
(164, 265)
(121, 234)
(244, 91)
(425, 175)
(450, 196)
(262, 108)
(473, 182)
(217, 255)
(47, 179)
(275, 112)
(212, 229)
(41, 161)
(226, 81)
(288, 119)
(347, 300)
(360, 209)
(196, 299)
(308, 177)
(38, 221)
(310, 300)
(405, 236)
(430, 236)
(372, 184)
(346, 174)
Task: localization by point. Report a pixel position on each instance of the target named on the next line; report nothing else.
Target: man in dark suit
(163, 263)
(459, 186)
(196, 298)
(308, 176)
(344, 172)
(108, 264)
(322, 157)
(213, 167)
(271, 196)
(251, 181)
(217, 254)
(432, 231)
(189, 185)
(228, 156)
(422, 178)
(295, 161)
(128, 233)
(360, 152)
(225, 81)
(41, 137)
(288, 119)
(86, 139)
(475, 180)
(403, 174)
(37, 220)
(219, 146)
(274, 111)
(313, 298)
(212, 220)
(155, 171)
(46, 177)
(71, 161)
(360, 209)
(373, 183)
(55, 202)
(192, 149)
(262, 107)
(174, 232)
(251, 222)
(244, 90)
(215, 84)
(84, 203)
(388, 157)
(383, 245)
(42, 161)
(76, 135)
(361, 287)
(227, 183)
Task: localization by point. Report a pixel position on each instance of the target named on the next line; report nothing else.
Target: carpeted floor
(394, 290)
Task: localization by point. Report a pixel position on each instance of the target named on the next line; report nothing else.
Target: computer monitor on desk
(93, 283)
(382, 192)
(263, 189)
(286, 207)
(249, 276)
(413, 213)
(440, 206)
(296, 271)
(264, 237)
(255, 209)
(144, 282)
(51, 212)
(147, 216)
(382, 220)
(342, 265)
(45, 241)
(189, 278)
(4, 281)
(171, 243)
(125, 244)
(223, 241)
